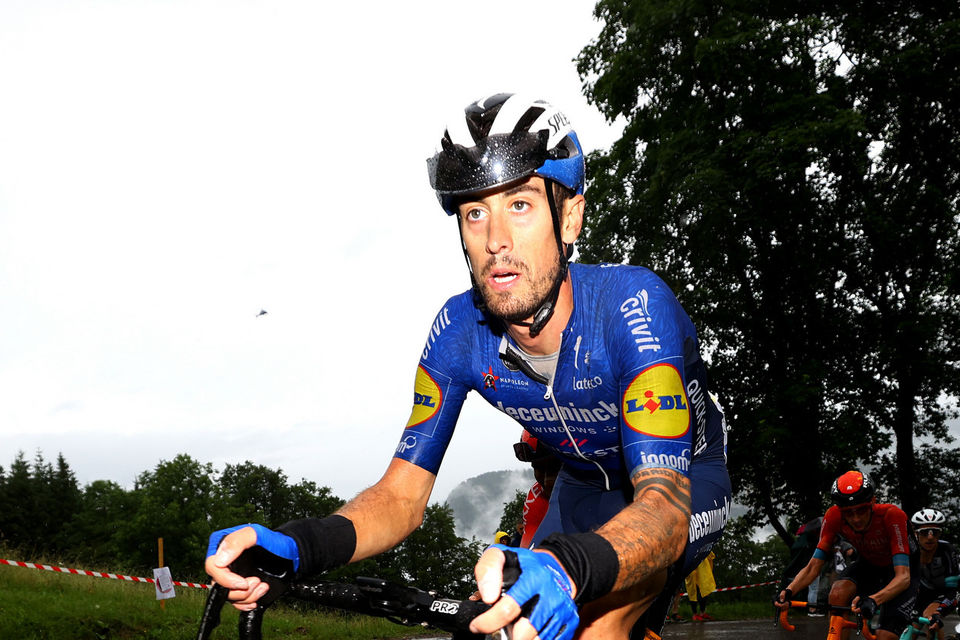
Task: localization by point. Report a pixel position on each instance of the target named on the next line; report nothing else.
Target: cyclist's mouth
(502, 279)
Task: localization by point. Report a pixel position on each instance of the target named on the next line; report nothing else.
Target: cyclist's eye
(473, 214)
(520, 206)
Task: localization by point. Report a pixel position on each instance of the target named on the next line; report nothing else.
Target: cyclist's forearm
(386, 513)
(901, 580)
(650, 534)
(806, 575)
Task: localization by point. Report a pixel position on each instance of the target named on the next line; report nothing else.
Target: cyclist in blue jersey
(599, 362)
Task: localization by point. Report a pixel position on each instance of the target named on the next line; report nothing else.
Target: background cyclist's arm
(651, 532)
(807, 574)
(386, 513)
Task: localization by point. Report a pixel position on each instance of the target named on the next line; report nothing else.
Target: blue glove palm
(544, 593)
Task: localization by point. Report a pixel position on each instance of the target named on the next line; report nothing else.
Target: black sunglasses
(929, 532)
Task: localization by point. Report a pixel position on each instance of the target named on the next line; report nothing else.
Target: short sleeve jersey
(934, 574)
(884, 537)
(629, 391)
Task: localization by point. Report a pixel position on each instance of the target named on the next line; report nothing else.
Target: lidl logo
(426, 398)
(655, 403)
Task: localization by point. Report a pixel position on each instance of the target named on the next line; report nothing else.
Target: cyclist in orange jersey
(882, 573)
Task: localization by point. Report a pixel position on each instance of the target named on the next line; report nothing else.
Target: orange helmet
(852, 488)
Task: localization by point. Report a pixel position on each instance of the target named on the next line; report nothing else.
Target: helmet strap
(542, 315)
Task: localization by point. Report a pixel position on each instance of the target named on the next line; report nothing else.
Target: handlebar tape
(211, 611)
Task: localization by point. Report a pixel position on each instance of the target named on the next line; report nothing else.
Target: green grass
(733, 609)
(43, 605)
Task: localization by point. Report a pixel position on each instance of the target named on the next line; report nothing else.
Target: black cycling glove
(868, 607)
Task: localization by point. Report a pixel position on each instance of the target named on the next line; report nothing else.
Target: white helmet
(928, 518)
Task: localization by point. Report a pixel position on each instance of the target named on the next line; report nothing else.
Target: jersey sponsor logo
(571, 415)
(698, 401)
(635, 312)
(655, 403)
(409, 442)
(489, 379)
(426, 398)
(667, 460)
(583, 384)
(441, 322)
(704, 523)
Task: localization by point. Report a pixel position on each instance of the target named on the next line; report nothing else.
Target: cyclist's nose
(499, 234)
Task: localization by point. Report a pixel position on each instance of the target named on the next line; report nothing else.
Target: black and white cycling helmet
(852, 488)
(503, 138)
(928, 518)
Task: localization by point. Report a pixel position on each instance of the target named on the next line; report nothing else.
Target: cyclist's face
(858, 517)
(928, 537)
(510, 240)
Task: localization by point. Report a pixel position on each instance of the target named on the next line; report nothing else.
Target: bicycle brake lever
(210, 618)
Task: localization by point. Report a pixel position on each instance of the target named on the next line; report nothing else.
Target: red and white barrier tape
(747, 586)
(117, 576)
(743, 586)
(96, 574)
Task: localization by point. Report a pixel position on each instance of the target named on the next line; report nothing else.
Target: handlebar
(862, 626)
(369, 596)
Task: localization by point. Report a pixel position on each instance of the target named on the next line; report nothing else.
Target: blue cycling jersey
(629, 389)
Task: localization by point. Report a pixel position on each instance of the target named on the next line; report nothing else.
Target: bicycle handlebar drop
(369, 596)
(836, 622)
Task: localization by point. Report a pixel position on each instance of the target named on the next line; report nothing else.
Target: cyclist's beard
(517, 306)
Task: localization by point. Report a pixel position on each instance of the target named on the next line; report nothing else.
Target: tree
(94, 532)
(65, 504)
(903, 61)
(18, 518)
(255, 493)
(174, 502)
(746, 177)
(435, 557)
(513, 512)
(743, 560)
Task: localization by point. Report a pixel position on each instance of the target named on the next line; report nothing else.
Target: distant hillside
(477, 502)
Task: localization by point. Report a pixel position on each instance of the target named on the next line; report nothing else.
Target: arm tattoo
(650, 534)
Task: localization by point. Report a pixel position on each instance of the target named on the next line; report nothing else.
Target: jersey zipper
(549, 395)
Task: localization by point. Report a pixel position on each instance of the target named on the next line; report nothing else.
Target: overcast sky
(170, 168)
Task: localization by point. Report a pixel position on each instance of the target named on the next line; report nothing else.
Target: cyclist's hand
(543, 595)
(936, 621)
(782, 599)
(226, 545)
(866, 607)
